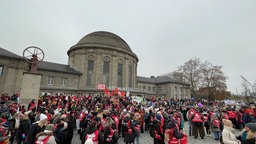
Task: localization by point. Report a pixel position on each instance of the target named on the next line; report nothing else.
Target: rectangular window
(90, 66)
(149, 88)
(64, 81)
(120, 75)
(154, 89)
(159, 90)
(144, 87)
(130, 76)
(1, 70)
(106, 73)
(90, 73)
(50, 80)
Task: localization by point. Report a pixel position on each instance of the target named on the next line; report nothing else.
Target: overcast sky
(164, 33)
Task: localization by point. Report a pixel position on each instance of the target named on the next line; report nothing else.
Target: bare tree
(246, 89)
(213, 79)
(192, 73)
(205, 75)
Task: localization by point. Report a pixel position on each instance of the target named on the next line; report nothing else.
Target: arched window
(90, 68)
(130, 74)
(120, 73)
(106, 70)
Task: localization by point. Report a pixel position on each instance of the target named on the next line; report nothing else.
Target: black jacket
(106, 133)
(24, 128)
(249, 141)
(33, 130)
(172, 125)
(91, 130)
(156, 126)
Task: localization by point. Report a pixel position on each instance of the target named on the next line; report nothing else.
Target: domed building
(98, 59)
(103, 58)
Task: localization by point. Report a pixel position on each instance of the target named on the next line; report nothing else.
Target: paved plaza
(146, 139)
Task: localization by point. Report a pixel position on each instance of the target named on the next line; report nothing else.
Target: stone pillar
(30, 88)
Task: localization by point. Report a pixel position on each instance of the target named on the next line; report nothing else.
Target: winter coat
(249, 141)
(142, 114)
(172, 125)
(107, 132)
(215, 129)
(228, 136)
(42, 135)
(24, 128)
(62, 134)
(70, 129)
(129, 136)
(136, 123)
(91, 130)
(182, 123)
(157, 128)
(33, 130)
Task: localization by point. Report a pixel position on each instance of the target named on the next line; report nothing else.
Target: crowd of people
(54, 119)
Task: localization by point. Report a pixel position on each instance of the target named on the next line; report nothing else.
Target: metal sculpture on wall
(33, 55)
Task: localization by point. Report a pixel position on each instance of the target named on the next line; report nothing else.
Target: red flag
(121, 93)
(106, 91)
(115, 91)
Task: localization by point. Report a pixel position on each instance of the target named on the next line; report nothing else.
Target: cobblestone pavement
(146, 139)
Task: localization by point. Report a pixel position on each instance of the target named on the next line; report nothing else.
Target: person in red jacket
(206, 119)
(197, 123)
(128, 130)
(190, 113)
(115, 117)
(158, 130)
(136, 124)
(216, 127)
(93, 132)
(232, 116)
(173, 133)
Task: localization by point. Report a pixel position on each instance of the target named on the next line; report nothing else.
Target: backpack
(168, 134)
(44, 141)
(90, 137)
(89, 141)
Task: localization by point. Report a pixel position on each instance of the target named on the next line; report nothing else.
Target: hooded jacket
(42, 135)
(228, 136)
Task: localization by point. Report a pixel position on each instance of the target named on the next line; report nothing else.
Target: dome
(102, 39)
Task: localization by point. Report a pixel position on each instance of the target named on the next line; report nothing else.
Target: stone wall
(78, 59)
(11, 79)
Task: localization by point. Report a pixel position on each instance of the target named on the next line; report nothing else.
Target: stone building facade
(12, 68)
(103, 58)
(98, 58)
(164, 86)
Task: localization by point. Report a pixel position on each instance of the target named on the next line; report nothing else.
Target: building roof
(42, 65)
(103, 39)
(8, 54)
(57, 67)
(159, 80)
